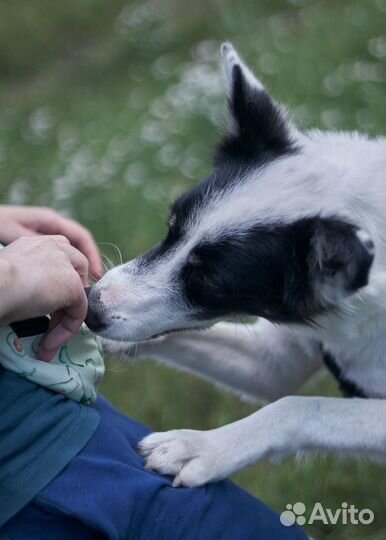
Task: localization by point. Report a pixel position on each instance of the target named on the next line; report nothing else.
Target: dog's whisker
(107, 262)
(118, 251)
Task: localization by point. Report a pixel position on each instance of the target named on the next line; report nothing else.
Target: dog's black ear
(259, 127)
(339, 260)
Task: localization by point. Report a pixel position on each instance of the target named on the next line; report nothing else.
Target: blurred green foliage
(108, 110)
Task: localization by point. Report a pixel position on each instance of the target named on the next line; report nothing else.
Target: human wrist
(7, 277)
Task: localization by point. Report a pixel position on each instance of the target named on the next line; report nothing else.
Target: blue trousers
(106, 494)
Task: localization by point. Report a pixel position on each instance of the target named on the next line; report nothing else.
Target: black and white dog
(289, 227)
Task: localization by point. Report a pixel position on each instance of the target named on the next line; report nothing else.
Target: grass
(108, 110)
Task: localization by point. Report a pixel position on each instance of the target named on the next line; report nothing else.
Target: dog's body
(290, 227)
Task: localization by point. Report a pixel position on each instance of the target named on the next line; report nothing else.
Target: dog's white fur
(336, 173)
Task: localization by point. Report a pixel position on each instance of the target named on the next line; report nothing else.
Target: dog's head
(268, 233)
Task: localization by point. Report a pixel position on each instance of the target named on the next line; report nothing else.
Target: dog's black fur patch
(274, 271)
(260, 134)
(348, 388)
(260, 130)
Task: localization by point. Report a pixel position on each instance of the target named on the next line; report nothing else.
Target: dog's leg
(355, 427)
(261, 361)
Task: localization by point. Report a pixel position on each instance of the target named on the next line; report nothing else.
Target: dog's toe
(182, 453)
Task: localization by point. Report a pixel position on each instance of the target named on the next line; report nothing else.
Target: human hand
(44, 274)
(17, 221)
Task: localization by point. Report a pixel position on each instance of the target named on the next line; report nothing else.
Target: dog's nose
(94, 319)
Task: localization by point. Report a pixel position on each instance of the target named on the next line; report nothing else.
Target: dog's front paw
(186, 454)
